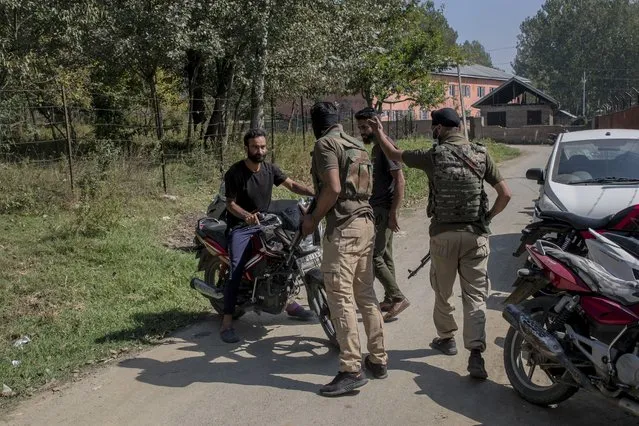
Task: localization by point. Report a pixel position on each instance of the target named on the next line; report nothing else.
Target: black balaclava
(323, 116)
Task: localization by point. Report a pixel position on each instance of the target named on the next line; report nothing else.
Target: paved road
(273, 377)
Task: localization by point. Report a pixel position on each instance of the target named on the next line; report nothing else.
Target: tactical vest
(355, 170)
(457, 190)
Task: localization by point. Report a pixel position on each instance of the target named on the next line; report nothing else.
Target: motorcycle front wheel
(318, 302)
(534, 377)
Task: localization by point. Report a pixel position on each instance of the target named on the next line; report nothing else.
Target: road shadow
(279, 362)
(149, 327)
(491, 403)
(502, 267)
(258, 360)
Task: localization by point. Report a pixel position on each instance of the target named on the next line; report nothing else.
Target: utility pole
(461, 101)
(583, 104)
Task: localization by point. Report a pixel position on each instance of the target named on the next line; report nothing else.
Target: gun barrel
(422, 263)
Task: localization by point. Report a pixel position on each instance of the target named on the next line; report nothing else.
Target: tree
(415, 40)
(146, 36)
(567, 38)
(475, 53)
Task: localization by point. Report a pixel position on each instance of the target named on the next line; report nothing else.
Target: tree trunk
(196, 103)
(157, 109)
(257, 91)
(236, 110)
(368, 97)
(216, 129)
(290, 119)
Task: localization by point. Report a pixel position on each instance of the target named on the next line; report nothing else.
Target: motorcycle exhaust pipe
(205, 289)
(544, 342)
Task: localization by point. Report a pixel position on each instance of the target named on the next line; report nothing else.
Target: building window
(492, 89)
(466, 90)
(481, 91)
(534, 118)
(451, 90)
(496, 119)
(423, 114)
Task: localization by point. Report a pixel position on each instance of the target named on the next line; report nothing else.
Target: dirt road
(273, 377)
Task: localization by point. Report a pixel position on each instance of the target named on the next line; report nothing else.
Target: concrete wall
(517, 115)
(477, 130)
(627, 119)
(524, 135)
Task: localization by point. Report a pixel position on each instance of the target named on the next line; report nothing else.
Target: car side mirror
(536, 174)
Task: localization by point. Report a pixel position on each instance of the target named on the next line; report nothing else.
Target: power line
(501, 48)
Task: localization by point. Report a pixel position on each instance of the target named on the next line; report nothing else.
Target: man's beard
(368, 139)
(256, 158)
(436, 134)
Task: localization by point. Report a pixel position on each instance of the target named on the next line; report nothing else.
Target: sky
(494, 23)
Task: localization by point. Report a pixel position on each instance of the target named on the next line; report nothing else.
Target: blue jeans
(239, 252)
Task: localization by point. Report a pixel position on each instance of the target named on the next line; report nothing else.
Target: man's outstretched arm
(298, 188)
(387, 146)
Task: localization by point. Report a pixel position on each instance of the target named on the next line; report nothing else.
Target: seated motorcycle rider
(249, 186)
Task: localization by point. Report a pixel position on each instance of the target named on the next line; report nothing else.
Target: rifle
(422, 263)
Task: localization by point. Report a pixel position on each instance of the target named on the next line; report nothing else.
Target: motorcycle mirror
(222, 192)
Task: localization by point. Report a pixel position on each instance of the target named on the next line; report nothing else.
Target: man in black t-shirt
(249, 186)
(388, 193)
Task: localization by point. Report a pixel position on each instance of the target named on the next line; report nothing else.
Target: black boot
(476, 365)
(344, 383)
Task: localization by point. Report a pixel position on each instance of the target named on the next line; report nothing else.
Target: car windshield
(597, 161)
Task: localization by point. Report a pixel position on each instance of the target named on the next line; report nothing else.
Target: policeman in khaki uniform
(459, 213)
(342, 176)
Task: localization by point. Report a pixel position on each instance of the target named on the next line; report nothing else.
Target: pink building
(477, 81)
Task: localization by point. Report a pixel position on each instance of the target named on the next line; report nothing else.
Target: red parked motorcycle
(569, 231)
(581, 332)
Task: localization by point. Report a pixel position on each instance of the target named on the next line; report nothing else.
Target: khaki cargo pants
(466, 254)
(347, 266)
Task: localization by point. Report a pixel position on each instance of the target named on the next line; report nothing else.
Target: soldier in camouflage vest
(343, 180)
(459, 214)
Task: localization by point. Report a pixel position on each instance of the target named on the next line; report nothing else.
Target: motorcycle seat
(215, 229)
(580, 223)
(597, 278)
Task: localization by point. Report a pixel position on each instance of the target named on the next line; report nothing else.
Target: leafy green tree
(475, 53)
(414, 41)
(567, 38)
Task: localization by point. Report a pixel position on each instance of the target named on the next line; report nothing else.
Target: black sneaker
(228, 336)
(379, 371)
(344, 383)
(445, 346)
(476, 366)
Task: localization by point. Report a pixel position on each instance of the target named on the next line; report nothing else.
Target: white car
(590, 173)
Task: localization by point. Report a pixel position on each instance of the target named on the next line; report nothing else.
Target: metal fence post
(68, 132)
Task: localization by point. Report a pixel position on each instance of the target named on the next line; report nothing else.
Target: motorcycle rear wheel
(522, 382)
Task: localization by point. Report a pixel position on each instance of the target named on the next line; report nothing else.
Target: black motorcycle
(281, 262)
